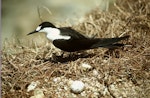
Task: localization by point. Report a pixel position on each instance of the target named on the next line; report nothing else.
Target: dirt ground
(119, 73)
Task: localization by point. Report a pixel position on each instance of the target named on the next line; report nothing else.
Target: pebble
(77, 86)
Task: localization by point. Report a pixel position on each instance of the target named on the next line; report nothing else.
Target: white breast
(53, 34)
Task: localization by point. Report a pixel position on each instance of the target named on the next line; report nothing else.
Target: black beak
(32, 32)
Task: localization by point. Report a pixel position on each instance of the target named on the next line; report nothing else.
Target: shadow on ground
(70, 57)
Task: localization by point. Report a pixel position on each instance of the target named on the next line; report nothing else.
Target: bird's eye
(38, 28)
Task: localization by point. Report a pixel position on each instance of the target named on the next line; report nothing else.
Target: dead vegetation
(124, 72)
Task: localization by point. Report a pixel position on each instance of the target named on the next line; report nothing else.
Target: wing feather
(71, 32)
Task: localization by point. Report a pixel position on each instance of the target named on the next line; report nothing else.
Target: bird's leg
(62, 54)
(94, 35)
(71, 54)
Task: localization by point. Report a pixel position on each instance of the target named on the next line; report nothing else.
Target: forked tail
(109, 42)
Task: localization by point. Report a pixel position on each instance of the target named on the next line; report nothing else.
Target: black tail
(109, 42)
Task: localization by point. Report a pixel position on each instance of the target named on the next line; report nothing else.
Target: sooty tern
(67, 39)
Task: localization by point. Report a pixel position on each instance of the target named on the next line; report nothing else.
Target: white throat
(54, 34)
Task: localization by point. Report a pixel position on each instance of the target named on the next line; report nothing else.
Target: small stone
(86, 66)
(32, 86)
(95, 72)
(56, 79)
(77, 86)
(38, 93)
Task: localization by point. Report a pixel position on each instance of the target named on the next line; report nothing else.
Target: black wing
(71, 32)
(74, 45)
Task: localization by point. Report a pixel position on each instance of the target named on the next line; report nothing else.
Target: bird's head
(42, 27)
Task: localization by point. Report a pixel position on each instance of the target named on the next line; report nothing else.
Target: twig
(50, 13)
(38, 10)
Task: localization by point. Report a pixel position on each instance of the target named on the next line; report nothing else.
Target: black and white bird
(67, 39)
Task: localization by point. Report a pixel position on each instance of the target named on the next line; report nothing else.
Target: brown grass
(124, 72)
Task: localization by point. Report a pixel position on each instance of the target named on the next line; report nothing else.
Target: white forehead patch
(38, 28)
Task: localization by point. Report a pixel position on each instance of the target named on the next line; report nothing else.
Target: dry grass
(124, 72)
